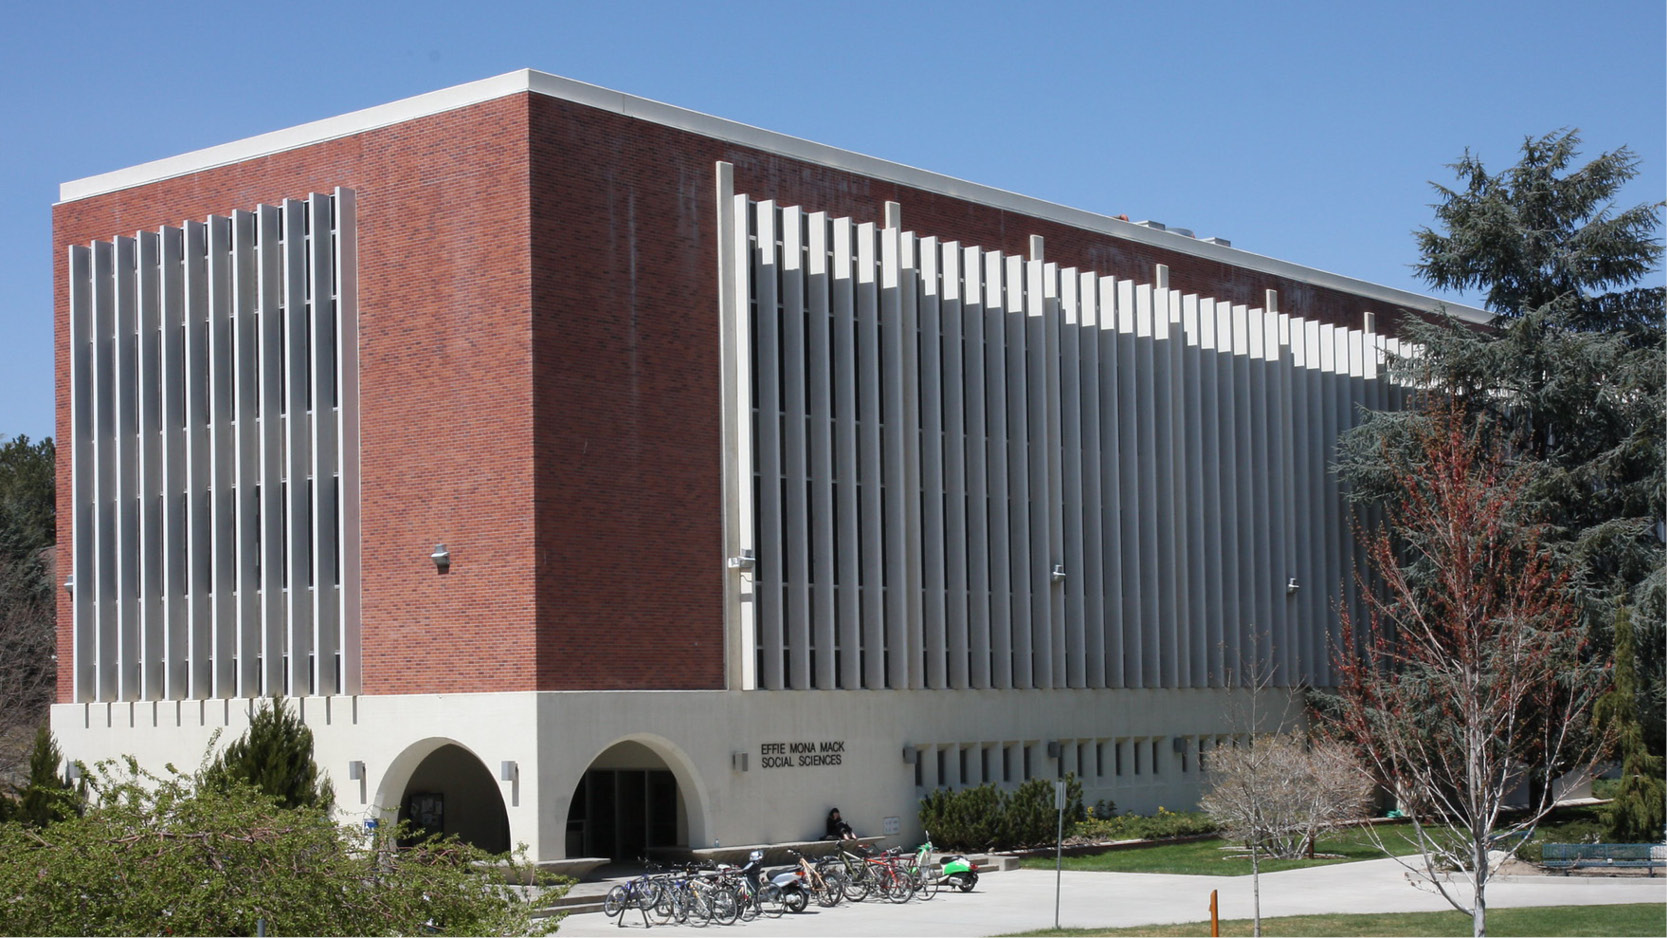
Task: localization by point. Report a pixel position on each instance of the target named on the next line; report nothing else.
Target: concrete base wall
(751, 767)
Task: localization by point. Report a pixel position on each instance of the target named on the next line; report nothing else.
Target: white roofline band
(529, 80)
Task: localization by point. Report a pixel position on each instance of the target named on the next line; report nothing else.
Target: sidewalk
(1022, 900)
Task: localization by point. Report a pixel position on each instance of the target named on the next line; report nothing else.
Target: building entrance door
(623, 813)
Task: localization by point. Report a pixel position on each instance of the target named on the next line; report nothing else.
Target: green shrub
(274, 755)
(1582, 824)
(969, 819)
(1030, 818)
(48, 797)
(988, 818)
(1165, 823)
(164, 855)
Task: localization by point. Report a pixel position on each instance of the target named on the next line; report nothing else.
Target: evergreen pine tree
(27, 596)
(1570, 376)
(1539, 236)
(274, 755)
(47, 797)
(1638, 812)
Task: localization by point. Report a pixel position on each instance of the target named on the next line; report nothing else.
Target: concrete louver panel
(769, 594)
(192, 349)
(997, 492)
(1197, 564)
(124, 440)
(1213, 568)
(978, 552)
(870, 463)
(1110, 476)
(1143, 404)
(246, 379)
(820, 470)
(936, 427)
(152, 520)
(846, 522)
(957, 607)
(1022, 539)
(933, 543)
(295, 416)
(1066, 335)
(795, 444)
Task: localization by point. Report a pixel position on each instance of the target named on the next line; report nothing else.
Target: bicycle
(889, 878)
(641, 893)
(754, 894)
(696, 896)
(678, 900)
(924, 872)
(857, 880)
(827, 889)
(719, 897)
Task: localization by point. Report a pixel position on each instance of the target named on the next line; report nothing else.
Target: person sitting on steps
(837, 828)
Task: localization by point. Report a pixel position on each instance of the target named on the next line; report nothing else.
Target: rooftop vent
(1184, 232)
(1160, 226)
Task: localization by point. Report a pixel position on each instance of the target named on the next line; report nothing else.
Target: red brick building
(1039, 471)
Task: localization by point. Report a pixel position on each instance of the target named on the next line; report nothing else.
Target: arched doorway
(626, 804)
(451, 792)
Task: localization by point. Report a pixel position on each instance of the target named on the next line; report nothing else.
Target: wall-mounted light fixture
(72, 772)
(738, 761)
(1291, 586)
(69, 584)
(356, 770)
(441, 558)
(746, 560)
(910, 755)
(1179, 744)
(508, 771)
(1053, 749)
(1058, 575)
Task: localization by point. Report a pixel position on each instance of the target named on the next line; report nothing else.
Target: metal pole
(1059, 847)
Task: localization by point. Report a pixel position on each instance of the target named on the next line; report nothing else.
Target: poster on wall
(428, 811)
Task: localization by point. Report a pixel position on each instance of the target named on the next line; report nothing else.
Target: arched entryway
(627, 803)
(451, 792)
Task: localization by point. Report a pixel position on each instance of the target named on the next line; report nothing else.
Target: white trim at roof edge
(529, 80)
(301, 135)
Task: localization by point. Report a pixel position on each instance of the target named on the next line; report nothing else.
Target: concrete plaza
(1022, 900)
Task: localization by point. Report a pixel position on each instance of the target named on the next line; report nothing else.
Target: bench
(1568, 857)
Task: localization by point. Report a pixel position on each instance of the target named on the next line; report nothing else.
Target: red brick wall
(539, 376)
(626, 391)
(627, 385)
(791, 182)
(445, 375)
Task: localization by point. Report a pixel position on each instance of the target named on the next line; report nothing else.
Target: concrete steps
(583, 897)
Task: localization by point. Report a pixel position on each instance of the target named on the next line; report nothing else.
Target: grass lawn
(1645, 919)
(1213, 858)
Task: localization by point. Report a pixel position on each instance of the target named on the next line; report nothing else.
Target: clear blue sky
(1303, 131)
